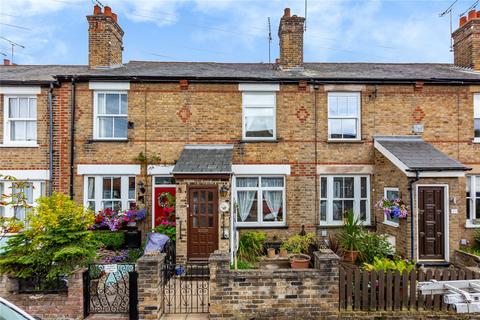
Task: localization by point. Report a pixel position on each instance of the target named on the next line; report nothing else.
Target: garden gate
(111, 288)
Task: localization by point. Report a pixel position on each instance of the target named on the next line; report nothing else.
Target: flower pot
(271, 252)
(283, 253)
(299, 261)
(350, 256)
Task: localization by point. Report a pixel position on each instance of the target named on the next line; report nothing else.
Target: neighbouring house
(275, 147)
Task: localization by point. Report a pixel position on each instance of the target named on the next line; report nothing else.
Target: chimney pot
(286, 12)
(6, 62)
(96, 10)
(472, 14)
(107, 10)
(463, 20)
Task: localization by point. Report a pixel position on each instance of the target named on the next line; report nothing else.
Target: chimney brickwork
(290, 32)
(105, 39)
(466, 41)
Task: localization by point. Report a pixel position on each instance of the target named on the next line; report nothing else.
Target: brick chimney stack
(466, 41)
(105, 39)
(290, 32)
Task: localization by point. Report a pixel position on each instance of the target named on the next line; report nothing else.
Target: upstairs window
(344, 116)
(476, 116)
(259, 121)
(20, 120)
(111, 116)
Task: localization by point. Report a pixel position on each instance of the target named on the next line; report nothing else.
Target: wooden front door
(202, 222)
(431, 225)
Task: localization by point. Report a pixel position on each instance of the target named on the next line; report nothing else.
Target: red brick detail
(302, 85)
(418, 114)
(184, 114)
(302, 114)
(183, 84)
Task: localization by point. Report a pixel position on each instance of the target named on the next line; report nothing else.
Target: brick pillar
(327, 262)
(150, 293)
(75, 301)
(219, 263)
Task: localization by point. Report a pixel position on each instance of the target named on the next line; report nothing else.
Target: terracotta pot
(271, 252)
(283, 253)
(350, 256)
(299, 261)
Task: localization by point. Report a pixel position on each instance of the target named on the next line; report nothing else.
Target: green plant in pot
(298, 245)
(350, 237)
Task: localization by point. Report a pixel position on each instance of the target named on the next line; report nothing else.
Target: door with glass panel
(202, 230)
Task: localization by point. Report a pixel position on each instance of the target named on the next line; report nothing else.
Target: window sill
(476, 140)
(470, 225)
(332, 226)
(260, 141)
(345, 141)
(262, 226)
(19, 145)
(107, 140)
(391, 223)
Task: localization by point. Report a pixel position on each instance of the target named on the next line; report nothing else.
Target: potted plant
(350, 237)
(271, 253)
(283, 252)
(298, 245)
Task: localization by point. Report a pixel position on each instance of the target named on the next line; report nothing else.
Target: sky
(55, 31)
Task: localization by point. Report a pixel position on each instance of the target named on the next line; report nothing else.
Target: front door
(202, 222)
(431, 226)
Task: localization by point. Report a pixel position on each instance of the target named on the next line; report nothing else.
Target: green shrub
(299, 244)
(349, 236)
(167, 229)
(388, 264)
(111, 240)
(372, 245)
(134, 254)
(243, 265)
(251, 246)
(56, 242)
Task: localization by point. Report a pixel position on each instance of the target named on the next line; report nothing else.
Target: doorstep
(112, 316)
(433, 264)
(190, 316)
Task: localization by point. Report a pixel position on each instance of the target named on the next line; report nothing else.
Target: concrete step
(108, 316)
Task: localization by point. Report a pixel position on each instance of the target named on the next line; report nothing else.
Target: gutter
(72, 138)
(410, 188)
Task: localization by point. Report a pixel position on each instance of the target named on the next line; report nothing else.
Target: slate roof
(205, 159)
(244, 71)
(417, 154)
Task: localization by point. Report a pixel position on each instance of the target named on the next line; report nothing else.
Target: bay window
(344, 116)
(339, 194)
(111, 115)
(112, 192)
(260, 200)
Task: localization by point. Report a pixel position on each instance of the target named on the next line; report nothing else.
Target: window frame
(96, 115)
(386, 221)
(469, 220)
(7, 141)
(259, 190)
(358, 119)
(476, 114)
(357, 190)
(274, 107)
(98, 191)
(39, 190)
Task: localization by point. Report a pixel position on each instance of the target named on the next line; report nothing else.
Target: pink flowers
(394, 208)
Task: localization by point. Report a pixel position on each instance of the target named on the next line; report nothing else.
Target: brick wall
(150, 290)
(279, 294)
(64, 306)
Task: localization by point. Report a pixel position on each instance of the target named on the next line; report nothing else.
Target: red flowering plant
(114, 220)
(167, 228)
(166, 201)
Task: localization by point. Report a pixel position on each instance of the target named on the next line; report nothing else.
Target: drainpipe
(315, 111)
(50, 151)
(410, 188)
(72, 138)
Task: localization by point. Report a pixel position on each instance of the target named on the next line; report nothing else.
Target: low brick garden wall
(279, 294)
(48, 306)
(150, 286)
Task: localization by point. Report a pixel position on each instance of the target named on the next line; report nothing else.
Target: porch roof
(412, 153)
(205, 159)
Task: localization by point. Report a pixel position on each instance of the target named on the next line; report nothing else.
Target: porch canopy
(412, 155)
(203, 159)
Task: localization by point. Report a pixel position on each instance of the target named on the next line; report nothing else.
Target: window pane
(31, 127)
(392, 194)
(107, 188)
(33, 108)
(259, 124)
(332, 107)
(469, 208)
(335, 127)
(363, 187)
(116, 188)
(342, 106)
(91, 205)
(2, 192)
(272, 182)
(323, 187)
(363, 210)
(468, 185)
(164, 180)
(348, 184)
(18, 130)
(91, 188)
(477, 187)
(20, 213)
(349, 128)
(337, 210)
(338, 187)
(323, 210)
(13, 108)
(272, 205)
(347, 205)
(105, 127)
(101, 103)
(120, 127)
(477, 209)
(247, 182)
(131, 187)
(123, 104)
(259, 98)
(247, 206)
(112, 103)
(477, 128)
(23, 107)
(352, 107)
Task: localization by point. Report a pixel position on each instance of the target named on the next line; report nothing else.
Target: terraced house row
(279, 147)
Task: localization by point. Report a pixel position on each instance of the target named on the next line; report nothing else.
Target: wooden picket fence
(386, 291)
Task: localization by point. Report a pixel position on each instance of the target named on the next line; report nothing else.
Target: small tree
(56, 242)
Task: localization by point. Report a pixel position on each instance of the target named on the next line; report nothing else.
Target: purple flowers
(114, 220)
(393, 208)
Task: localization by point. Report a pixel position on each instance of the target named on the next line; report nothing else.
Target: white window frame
(7, 141)
(39, 189)
(96, 125)
(244, 132)
(356, 200)
(470, 223)
(259, 190)
(98, 191)
(476, 114)
(385, 219)
(358, 119)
